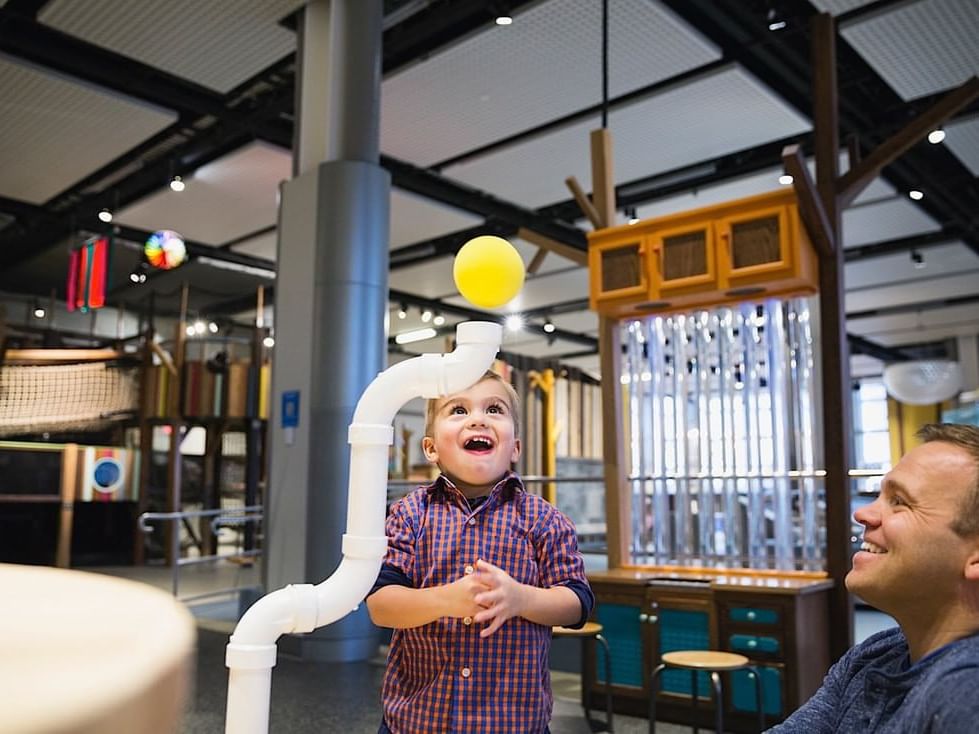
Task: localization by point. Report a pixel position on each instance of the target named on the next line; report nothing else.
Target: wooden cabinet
(720, 254)
(782, 629)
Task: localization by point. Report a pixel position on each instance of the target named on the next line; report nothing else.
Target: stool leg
(695, 694)
(715, 679)
(608, 682)
(653, 685)
(759, 702)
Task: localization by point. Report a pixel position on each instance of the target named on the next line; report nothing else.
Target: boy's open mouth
(478, 444)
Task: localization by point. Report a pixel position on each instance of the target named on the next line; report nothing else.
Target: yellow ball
(488, 271)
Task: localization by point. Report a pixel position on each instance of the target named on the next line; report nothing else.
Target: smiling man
(919, 562)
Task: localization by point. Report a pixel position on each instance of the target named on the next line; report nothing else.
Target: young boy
(477, 572)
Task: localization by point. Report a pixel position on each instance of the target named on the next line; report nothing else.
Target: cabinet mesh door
(621, 268)
(684, 255)
(755, 242)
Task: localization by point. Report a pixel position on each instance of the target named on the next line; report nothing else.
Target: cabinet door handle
(752, 643)
(653, 619)
(643, 617)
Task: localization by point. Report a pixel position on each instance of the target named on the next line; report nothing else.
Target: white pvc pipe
(251, 652)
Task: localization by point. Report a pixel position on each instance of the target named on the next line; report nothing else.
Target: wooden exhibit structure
(791, 624)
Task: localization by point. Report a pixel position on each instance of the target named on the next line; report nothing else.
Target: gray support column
(330, 310)
(968, 357)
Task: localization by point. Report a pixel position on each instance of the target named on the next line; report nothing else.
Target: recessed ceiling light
(916, 195)
(936, 136)
(504, 20)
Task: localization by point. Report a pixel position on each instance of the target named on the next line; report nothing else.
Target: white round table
(90, 654)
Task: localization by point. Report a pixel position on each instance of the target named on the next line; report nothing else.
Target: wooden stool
(594, 630)
(89, 654)
(706, 660)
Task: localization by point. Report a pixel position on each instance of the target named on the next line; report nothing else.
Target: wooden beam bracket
(810, 205)
(579, 257)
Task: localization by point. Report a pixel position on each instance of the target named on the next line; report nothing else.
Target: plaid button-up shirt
(442, 677)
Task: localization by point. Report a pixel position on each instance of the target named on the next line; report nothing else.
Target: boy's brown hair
(431, 409)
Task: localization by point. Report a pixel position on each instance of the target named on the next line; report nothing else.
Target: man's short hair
(967, 438)
(514, 404)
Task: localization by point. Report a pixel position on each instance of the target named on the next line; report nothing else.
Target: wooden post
(618, 507)
(602, 181)
(545, 382)
(66, 516)
(834, 350)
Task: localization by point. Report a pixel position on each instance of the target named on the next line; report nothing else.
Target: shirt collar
(507, 488)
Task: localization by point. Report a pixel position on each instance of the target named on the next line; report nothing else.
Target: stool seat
(590, 629)
(705, 660)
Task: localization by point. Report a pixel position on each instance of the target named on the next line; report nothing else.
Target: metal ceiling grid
(724, 111)
(885, 219)
(229, 198)
(56, 131)
(962, 138)
(953, 258)
(417, 219)
(920, 48)
(545, 65)
(923, 290)
(218, 44)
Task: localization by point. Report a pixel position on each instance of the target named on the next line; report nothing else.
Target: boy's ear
(516, 451)
(428, 448)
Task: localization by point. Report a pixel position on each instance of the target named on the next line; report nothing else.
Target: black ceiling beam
(445, 245)
(862, 345)
(901, 244)
(914, 307)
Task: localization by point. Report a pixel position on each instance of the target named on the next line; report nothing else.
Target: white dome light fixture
(923, 381)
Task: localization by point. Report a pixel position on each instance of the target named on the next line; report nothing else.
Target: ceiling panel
(922, 321)
(921, 291)
(545, 65)
(218, 44)
(919, 48)
(885, 219)
(721, 112)
(54, 131)
(226, 199)
(263, 245)
(962, 138)
(416, 219)
(940, 260)
(431, 279)
(838, 7)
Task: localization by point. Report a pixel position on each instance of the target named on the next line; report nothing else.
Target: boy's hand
(461, 595)
(503, 598)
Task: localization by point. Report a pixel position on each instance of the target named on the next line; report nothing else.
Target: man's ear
(428, 448)
(972, 566)
(516, 451)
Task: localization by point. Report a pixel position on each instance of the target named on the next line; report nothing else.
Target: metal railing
(220, 518)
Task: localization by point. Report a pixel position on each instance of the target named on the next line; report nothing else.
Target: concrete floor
(335, 697)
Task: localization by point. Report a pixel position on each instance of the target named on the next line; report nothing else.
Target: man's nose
(868, 514)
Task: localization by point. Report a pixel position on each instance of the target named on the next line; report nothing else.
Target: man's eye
(897, 501)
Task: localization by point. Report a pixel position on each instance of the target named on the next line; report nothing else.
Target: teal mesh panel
(743, 691)
(623, 632)
(758, 616)
(680, 629)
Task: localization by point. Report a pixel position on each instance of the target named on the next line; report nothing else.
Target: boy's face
(473, 441)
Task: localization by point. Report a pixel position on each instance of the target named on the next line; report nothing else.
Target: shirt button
(466, 672)
(467, 621)
(469, 570)
(472, 520)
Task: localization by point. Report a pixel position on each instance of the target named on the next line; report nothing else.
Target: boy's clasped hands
(488, 594)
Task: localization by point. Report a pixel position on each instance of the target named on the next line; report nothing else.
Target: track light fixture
(549, 327)
(177, 184)
(105, 215)
(39, 311)
(403, 311)
(917, 259)
(936, 136)
(630, 214)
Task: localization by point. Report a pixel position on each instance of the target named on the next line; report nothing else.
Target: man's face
(474, 443)
(911, 560)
